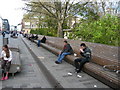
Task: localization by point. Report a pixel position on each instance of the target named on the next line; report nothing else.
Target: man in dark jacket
(67, 50)
(43, 40)
(86, 56)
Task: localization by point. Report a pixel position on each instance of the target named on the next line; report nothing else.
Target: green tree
(58, 10)
(106, 30)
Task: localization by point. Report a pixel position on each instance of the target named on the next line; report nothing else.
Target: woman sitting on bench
(6, 57)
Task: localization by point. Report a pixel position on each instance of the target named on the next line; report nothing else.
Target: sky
(11, 10)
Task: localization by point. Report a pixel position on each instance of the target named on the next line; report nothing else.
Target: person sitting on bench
(6, 57)
(32, 37)
(43, 40)
(29, 36)
(86, 56)
(67, 50)
(36, 37)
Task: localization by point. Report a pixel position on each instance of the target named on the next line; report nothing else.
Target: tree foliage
(96, 25)
(106, 30)
(57, 10)
(44, 31)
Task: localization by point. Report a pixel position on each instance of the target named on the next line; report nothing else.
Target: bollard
(5, 41)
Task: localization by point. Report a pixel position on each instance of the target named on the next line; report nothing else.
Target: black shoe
(78, 71)
(57, 62)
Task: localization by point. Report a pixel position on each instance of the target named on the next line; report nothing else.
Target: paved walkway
(60, 72)
(30, 76)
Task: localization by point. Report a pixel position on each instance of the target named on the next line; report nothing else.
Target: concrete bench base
(16, 62)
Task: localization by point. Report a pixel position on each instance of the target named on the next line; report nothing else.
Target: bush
(43, 31)
(104, 31)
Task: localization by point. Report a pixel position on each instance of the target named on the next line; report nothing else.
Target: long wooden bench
(113, 64)
(93, 68)
(108, 64)
(96, 59)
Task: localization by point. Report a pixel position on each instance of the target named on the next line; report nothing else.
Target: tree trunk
(103, 7)
(39, 22)
(60, 31)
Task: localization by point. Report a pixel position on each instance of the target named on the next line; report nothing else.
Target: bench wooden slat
(106, 77)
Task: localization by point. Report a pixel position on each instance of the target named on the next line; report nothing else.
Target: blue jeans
(38, 43)
(61, 56)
